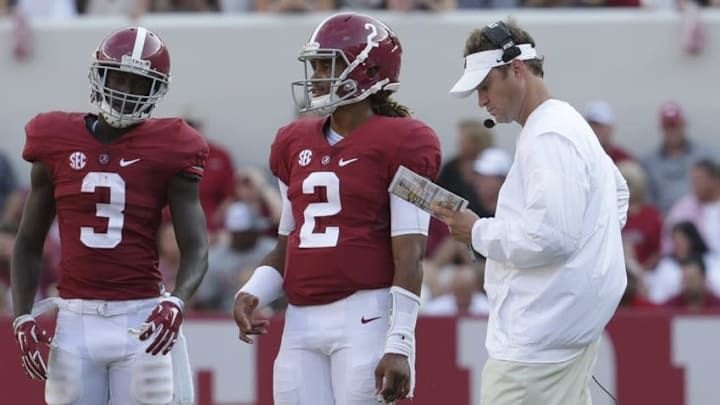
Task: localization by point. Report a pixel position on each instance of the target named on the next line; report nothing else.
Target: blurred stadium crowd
(62, 9)
(672, 238)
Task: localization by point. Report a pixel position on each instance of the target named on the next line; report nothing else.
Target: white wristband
(404, 308)
(177, 301)
(266, 283)
(21, 320)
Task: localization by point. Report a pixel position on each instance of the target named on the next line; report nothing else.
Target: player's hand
(245, 305)
(29, 335)
(163, 323)
(460, 222)
(392, 377)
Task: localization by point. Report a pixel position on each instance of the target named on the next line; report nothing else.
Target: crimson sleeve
(33, 150)
(278, 156)
(419, 151)
(194, 151)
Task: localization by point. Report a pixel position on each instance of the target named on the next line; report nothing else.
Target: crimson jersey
(340, 202)
(109, 199)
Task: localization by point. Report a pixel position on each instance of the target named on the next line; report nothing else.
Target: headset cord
(606, 391)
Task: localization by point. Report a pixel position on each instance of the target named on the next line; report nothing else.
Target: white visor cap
(479, 64)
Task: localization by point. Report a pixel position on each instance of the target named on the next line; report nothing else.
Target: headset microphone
(489, 123)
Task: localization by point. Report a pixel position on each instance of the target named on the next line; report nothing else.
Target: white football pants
(329, 352)
(94, 359)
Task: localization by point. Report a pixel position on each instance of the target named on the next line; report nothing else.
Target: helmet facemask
(118, 108)
(338, 88)
(344, 87)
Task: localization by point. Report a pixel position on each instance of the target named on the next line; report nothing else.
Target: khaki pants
(513, 383)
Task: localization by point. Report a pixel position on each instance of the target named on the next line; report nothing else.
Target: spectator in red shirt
(437, 234)
(601, 118)
(694, 293)
(217, 187)
(643, 229)
(457, 173)
(635, 295)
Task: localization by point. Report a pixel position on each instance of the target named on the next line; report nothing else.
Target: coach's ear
(518, 68)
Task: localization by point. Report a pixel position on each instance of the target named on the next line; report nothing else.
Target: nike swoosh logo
(173, 315)
(364, 321)
(124, 162)
(342, 162)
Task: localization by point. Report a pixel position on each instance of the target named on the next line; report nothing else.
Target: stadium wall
(651, 357)
(235, 71)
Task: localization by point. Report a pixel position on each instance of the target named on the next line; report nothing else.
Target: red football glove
(29, 335)
(164, 322)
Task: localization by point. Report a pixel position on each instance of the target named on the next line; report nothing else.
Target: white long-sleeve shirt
(555, 270)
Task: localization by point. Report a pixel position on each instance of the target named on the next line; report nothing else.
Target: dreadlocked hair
(383, 104)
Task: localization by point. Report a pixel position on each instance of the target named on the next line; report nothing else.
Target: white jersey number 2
(328, 238)
(113, 211)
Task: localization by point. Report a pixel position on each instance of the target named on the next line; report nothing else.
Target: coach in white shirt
(555, 270)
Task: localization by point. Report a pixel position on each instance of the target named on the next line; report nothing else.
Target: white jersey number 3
(328, 238)
(113, 210)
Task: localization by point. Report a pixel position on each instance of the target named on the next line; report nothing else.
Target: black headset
(499, 35)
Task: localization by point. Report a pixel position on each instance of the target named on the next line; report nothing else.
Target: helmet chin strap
(326, 104)
(116, 123)
(117, 120)
(322, 104)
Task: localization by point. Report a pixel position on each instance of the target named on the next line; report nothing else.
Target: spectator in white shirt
(240, 253)
(465, 296)
(491, 167)
(555, 268)
(665, 281)
(701, 206)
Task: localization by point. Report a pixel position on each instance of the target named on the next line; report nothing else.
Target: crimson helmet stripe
(139, 43)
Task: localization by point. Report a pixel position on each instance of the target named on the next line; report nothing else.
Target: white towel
(182, 373)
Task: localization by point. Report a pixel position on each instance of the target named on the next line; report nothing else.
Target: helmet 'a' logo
(78, 160)
(304, 157)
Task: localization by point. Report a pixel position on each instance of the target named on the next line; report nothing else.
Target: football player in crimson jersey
(348, 253)
(108, 177)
